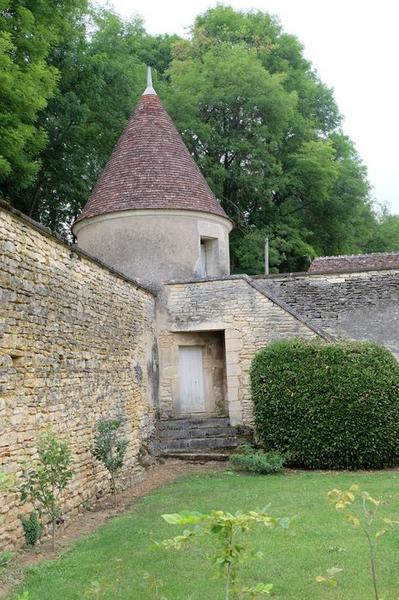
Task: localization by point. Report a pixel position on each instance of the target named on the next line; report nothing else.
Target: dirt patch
(102, 511)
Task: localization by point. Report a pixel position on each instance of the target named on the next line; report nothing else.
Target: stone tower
(151, 214)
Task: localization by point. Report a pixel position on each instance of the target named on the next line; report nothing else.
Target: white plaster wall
(155, 246)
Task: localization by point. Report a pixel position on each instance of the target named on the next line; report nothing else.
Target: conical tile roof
(150, 168)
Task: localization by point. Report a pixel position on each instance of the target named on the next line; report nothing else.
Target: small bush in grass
(328, 405)
(257, 461)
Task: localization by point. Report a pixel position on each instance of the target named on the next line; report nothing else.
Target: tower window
(208, 256)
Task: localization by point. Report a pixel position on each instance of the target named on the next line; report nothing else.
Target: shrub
(258, 461)
(33, 529)
(328, 405)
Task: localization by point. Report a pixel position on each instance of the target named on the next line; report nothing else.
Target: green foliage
(3, 482)
(257, 461)
(287, 250)
(33, 529)
(328, 405)
(110, 448)
(360, 510)
(29, 31)
(386, 235)
(46, 478)
(230, 552)
(5, 558)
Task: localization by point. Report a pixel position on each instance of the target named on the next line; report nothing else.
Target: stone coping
(317, 273)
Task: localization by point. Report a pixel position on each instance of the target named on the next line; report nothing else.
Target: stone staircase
(199, 438)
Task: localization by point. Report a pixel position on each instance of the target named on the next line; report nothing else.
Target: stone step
(193, 422)
(196, 456)
(198, 432)
(209, 443)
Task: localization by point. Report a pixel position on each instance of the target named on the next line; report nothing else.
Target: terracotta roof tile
(150, 167)
(356, 262)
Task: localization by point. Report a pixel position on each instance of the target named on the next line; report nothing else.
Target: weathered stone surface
(75, 346)
(360, 306)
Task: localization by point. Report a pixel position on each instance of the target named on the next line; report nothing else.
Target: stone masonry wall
(249, 321)
(75, 346)
(360, 306)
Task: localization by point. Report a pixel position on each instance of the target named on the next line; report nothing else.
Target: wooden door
(192, 399)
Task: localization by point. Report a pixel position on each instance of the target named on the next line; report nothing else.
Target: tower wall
(155, 246)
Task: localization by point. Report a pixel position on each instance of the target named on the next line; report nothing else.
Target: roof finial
(149, 89)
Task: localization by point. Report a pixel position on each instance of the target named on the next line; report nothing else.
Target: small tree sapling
(361, 511)
(230, 552)
(110, 448)
(46, 478)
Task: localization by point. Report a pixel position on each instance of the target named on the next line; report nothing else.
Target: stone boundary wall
(248, 319)
(76, 345)
(356, 305)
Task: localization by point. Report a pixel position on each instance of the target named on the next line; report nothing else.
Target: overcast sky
(353, 44)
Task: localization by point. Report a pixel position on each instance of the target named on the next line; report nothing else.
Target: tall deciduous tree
(29, 31)
(266, 133)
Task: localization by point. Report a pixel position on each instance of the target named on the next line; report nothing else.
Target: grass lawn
(112, 563)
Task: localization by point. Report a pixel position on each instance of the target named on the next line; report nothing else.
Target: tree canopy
(30, 31)
(265, 131)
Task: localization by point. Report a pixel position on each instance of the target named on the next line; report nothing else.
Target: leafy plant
(230, 551)
(33, 528)
(360, 511)
(5, 558)
(110, 449)
(330, 577)
(332, 405)
(255, 591)
(3, 482)
(257, 461)
(46, 478)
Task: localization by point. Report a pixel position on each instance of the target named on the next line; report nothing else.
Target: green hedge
(328, 405)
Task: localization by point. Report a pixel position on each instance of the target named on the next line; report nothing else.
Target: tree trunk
(114, 490)
(53, 533)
